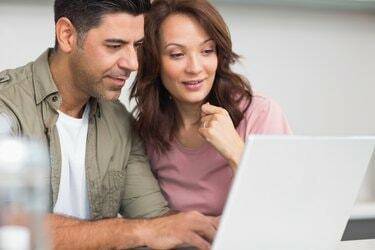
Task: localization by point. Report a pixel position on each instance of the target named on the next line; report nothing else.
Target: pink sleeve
(266, 117)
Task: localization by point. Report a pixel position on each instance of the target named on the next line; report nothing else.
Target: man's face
(108, 54)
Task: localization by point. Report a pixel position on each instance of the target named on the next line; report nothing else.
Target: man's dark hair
(87, 14)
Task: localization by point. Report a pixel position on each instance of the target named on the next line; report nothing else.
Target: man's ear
(66, 35)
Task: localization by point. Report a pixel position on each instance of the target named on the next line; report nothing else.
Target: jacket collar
(44, 85)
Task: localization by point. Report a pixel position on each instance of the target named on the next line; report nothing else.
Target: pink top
(199, 179)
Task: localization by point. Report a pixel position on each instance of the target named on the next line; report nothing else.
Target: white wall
(26, 30)
(318, 64)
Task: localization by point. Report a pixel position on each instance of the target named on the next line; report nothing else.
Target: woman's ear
(66, 35)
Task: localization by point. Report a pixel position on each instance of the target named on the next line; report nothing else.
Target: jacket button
(54, 98)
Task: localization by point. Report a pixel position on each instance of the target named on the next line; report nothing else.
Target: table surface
(344, 245)
(357, 245)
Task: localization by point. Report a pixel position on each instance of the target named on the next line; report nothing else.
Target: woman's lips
(193, 85)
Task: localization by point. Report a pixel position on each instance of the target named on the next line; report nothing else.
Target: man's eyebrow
(116, 40)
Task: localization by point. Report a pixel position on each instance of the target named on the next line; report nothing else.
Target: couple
(193, 113)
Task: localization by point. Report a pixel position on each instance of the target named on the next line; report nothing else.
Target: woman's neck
(190, 115)
(188, 134)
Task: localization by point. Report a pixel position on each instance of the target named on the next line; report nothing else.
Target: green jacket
(119, 179)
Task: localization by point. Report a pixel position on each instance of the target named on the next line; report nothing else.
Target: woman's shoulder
(259, 103)
(264, 115)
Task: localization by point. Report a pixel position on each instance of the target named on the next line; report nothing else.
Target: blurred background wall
(317, 61)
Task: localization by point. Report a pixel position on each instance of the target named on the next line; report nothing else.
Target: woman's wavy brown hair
(157, 117)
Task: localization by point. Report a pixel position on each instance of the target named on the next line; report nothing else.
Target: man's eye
(138, 45)
(113, 46)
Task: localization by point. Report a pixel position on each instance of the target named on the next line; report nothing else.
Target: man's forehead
(122, 18)
(121, 25)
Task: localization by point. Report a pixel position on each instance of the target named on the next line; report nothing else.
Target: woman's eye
(176, 55)
(208, 51)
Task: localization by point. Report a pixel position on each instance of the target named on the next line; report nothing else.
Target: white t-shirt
(72, 199)
(5, 124)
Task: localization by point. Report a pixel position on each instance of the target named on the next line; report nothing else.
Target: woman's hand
(218, 129)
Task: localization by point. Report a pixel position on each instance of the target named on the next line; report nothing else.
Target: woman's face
(188, 59)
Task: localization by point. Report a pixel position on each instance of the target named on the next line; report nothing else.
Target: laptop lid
(293, 192)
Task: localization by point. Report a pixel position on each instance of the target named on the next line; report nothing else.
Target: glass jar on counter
(24, 194)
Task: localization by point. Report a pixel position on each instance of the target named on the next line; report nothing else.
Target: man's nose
(129, 60)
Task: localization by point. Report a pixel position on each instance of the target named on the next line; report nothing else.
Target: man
(67, 99)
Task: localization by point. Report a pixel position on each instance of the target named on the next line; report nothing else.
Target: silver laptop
(294, 193)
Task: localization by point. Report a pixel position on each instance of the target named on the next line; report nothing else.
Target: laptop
(294, 192)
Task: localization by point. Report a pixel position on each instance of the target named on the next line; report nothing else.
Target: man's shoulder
(15, 92)
(11, 79)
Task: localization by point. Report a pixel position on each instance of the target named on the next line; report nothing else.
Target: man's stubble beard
(84, 80)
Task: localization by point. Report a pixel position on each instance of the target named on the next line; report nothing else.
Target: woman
(193, 112)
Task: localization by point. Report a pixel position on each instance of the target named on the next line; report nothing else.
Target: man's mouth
(118, 80)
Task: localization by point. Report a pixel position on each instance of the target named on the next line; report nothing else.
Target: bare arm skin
(165, 232)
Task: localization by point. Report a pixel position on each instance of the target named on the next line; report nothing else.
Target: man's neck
(73, 111)
(73, 100)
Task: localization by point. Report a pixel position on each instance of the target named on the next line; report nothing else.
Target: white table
(357, 245)
(344, 245)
